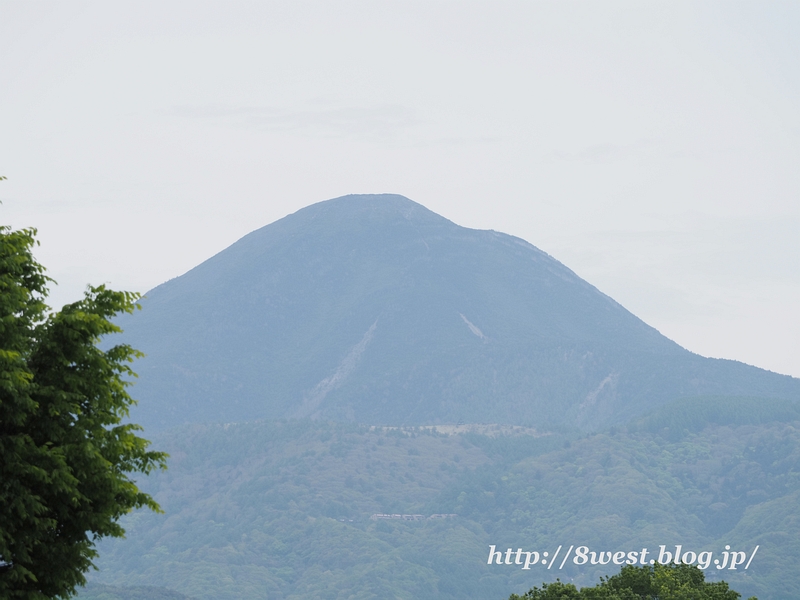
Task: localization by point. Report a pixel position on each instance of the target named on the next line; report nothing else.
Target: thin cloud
(377, 123)
(608, 152)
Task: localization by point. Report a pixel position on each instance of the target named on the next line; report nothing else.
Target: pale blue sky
(650, 146)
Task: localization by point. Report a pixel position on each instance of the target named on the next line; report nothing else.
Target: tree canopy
(65, 454)
(656, 582)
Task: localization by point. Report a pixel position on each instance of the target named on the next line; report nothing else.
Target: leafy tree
(657, 582)
(65, 455)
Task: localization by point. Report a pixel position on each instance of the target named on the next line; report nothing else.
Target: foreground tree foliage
(65, 457)
(657, 582)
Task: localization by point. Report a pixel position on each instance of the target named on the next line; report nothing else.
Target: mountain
(373, 309)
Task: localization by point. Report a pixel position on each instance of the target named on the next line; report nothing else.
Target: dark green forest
(663, 582)
(282, 509)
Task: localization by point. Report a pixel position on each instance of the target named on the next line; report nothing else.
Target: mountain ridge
(372, 308)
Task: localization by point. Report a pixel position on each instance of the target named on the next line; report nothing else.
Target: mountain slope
(374, 309)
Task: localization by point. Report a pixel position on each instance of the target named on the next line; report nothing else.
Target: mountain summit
(371, 308)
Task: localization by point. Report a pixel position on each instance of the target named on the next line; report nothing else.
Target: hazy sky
(652, 147)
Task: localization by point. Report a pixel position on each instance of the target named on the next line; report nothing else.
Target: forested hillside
(283, 509)
(98, 591)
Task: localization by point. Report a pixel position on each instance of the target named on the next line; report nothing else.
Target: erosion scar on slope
(477, 332)
(315, 397)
